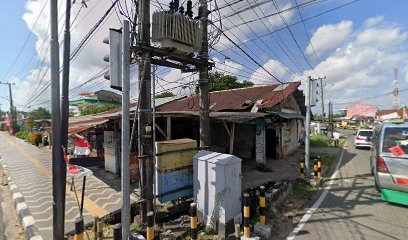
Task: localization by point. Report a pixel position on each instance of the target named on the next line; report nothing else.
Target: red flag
(78, 142)
(64, 154)
(397, 151)
(82, 146)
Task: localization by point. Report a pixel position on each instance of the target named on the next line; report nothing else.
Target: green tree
(41, 113)
(29, 123)
(92, 109)
(220, 81)
(165, 94)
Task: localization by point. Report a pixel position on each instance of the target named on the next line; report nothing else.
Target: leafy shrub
(22, 135)
(320, 141)
(35, 138)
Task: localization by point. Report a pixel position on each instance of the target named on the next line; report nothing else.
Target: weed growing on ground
(303, 190)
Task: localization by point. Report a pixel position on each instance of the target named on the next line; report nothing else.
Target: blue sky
(357, 47)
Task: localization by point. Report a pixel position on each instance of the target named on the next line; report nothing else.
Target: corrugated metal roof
(235, 99)
(236, 117)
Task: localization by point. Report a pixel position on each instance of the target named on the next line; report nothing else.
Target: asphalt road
(352, 208)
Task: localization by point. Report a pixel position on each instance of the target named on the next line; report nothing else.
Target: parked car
(389, 162)
(363, 138)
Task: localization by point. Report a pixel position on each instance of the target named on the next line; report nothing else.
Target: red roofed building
(361, 110)
(257, 122)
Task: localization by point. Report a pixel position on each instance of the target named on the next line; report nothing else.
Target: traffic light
(114, 58)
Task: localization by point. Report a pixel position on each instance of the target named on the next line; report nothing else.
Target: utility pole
(307, 126)
(58, 164)
(145, 113)
(322, 97)
(205, 139)
(331, 118)
(65, 77)
(12, 112)
(125, 171)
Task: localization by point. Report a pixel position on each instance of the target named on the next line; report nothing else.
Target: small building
(383, 115)
(264, 122)
(361, 110)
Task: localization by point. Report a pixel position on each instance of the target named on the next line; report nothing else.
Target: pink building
(362, 110)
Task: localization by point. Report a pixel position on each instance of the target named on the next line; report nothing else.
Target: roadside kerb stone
(264, 231)
(24, 214)
(276, 194)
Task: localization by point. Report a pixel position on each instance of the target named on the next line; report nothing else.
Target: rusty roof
(236, 99)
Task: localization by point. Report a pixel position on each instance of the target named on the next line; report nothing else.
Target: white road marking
(316, 205)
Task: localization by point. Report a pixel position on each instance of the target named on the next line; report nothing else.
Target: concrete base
(264, 231)
(277, 194)
(222, 230)
(315, 182)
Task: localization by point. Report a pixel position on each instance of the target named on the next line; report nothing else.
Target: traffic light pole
(125, 171)
(58, 164)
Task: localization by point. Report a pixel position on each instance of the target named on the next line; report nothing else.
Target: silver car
(363, 138)
(389, 162)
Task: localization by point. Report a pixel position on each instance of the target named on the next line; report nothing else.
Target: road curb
(21, 207)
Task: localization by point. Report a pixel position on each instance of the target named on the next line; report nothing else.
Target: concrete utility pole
(125, 176)
(13, 115)
(65, 77)
(307, 126)
(145, 113)
(205, 137)
(58, 164)
(322, 97)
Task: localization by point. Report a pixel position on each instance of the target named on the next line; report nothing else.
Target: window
(365, 133)
(394, 137)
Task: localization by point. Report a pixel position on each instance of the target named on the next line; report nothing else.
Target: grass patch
(324, 141)
(320, 141)
(327, 159)
(22, 135)
(303, 190)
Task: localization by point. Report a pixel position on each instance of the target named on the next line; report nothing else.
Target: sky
(353, 45)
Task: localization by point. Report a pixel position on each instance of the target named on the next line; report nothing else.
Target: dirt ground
(293, 208)
(10, 227)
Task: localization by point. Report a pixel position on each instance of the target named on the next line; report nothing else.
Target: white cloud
(363, 65)
(274, 67)
(372, 22)
(239, 32)
(382, 37)
(328, 37)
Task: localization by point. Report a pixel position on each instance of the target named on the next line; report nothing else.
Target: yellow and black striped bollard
(79, 229)
(262, 205)
(319, 169)
(302, 170)
(193, 219)
(315, 169)
(247, 231)
(150, 226)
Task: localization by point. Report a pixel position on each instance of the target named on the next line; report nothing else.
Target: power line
(90, 33)
(249, 56)
(291, 34)
(295, 23)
